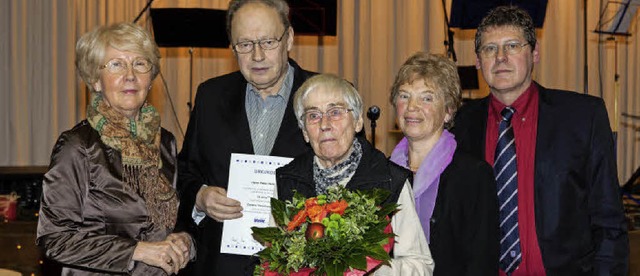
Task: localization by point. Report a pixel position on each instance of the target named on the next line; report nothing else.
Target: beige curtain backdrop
(41, 95)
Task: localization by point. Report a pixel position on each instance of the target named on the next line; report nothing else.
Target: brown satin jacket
(87, 221)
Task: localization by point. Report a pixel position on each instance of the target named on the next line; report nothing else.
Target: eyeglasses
(511, 48)
(245, 47)
(120, 66)
(313, 117)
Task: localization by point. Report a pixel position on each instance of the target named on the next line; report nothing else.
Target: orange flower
(310, 202)
(317, 213)
(298, 219)
(337, 207)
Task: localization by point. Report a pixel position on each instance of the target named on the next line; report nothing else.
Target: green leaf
(267, 234)
(380, 195)
(357, 261)
(378, 253)
(387, 209)
(278, 210)
(335, 269)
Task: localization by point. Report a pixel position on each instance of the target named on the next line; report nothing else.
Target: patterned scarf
(138, 141)
(325, 178)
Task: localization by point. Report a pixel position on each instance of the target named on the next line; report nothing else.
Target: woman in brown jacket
(109, 204)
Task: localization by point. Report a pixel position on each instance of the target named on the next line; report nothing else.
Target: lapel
(476, 127)
(238, 121)
(371, 172)
(548, 118)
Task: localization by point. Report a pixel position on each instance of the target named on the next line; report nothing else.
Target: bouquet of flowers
(333, 234)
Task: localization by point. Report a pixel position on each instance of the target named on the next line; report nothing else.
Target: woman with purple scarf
(455, 193)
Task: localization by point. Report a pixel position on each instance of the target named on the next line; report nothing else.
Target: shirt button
(261, 135)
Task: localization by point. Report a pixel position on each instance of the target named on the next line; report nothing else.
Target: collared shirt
(525, 128)
(265, 115)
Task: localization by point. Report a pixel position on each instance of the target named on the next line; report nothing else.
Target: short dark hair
(507, 16)
(280, 6)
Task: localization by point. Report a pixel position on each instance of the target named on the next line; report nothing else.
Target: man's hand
(215, 203)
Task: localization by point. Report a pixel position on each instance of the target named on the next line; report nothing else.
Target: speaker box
(313, 17)
(187, 27)
(467, 14)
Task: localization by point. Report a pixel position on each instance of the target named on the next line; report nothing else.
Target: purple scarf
(427, 178)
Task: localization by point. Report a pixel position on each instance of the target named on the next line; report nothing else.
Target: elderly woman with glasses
(454, 192)
(329, 112)
(109, 203)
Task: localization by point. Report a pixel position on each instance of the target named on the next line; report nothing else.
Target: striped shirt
(265, 115)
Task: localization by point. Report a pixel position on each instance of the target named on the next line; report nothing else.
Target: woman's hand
(171, 255)
(182, 242)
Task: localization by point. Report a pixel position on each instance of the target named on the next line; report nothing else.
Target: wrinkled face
(421, 111)
(331, 140)
(264, 69)
(125, 92)
(507, 73)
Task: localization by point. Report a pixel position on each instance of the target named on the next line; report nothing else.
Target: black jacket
(578, 209)
(464, 225)
(374, 171)
(218, 126)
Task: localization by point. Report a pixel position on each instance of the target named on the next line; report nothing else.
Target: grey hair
(129, 37)
(281, 6)
(330, 82)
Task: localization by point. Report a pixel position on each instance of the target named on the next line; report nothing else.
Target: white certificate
(252, 181)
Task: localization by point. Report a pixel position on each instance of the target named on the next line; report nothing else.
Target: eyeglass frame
(259, 42)
(504, 49)
(343, 111)
(127, 66)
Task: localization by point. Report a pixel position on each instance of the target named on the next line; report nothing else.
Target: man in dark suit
(249, 111)
(565, 211)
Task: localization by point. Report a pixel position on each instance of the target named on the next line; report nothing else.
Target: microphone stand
(189, 103)
(142, 11)
(451, 52)
(373, 133)
(373, 113)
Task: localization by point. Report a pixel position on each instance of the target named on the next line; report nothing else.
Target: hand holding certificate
(252, 181)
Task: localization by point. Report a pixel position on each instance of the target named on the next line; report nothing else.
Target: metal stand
(373, 113)
(189, 103)
(373, 133)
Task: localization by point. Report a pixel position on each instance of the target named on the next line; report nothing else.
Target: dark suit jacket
(464, 225)
(218, 126)
(578, 210)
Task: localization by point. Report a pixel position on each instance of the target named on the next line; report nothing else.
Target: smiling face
(330, 140)
(421, 112)
(508, 76)
(125, 92)
(264, 69)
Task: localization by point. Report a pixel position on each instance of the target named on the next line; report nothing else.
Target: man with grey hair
(249, 111)
(553, 157)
